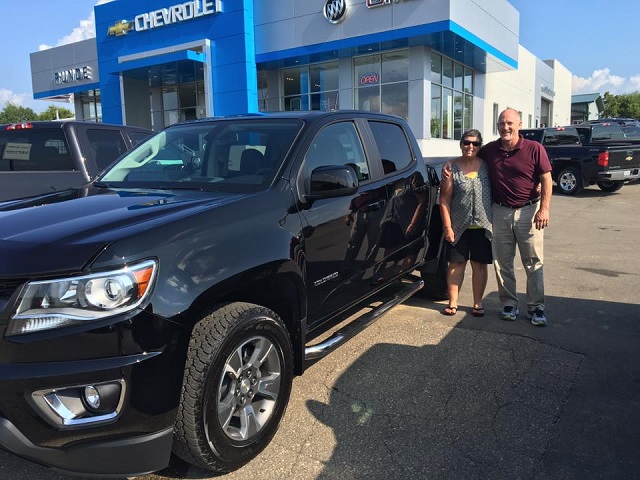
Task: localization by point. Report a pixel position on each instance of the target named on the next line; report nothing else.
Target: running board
(319, 350)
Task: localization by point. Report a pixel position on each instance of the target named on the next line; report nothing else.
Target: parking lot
(425, 396)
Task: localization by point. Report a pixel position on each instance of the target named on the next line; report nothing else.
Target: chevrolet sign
(120, 28)
(167, 16)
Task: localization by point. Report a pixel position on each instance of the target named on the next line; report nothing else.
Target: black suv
(167, 305)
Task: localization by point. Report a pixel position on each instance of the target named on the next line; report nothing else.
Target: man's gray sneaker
(509, 313)
(537, 317)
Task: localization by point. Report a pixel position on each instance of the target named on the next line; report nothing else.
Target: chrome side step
(319, 350)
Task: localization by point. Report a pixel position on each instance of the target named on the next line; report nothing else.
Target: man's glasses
(469, 142)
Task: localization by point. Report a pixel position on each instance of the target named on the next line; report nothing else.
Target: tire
(609, 187)
(236, 387)
(435, 283)
(569, 181)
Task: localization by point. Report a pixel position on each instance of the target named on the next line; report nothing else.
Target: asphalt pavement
(419, 395)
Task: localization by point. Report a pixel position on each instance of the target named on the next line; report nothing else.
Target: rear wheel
(569, 181)
(609, 186)
(435, 282)
(236, 386)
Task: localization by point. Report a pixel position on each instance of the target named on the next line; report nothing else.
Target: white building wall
(562, 87)
(512, 89)
(287, 24)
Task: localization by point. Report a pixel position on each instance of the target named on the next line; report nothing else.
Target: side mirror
(194, 163)
(332, 181)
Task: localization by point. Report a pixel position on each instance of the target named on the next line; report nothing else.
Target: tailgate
(624, 157)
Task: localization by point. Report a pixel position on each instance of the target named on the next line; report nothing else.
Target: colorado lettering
(175, 14)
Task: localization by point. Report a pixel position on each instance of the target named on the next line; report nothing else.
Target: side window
(338, 144)
(107, 145)
(394, 149)
(137, 137)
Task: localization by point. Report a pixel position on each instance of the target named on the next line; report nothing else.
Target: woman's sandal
(477, 311)
(450, 311)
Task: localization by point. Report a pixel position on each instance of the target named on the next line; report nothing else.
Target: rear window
(606, 133)
(535, 135)
(561, 136)
(34, 150)
(631, 132)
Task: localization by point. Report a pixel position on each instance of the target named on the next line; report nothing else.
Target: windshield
(240, 155)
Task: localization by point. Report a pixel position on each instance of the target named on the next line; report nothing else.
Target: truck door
(345, 259)
(336, 242)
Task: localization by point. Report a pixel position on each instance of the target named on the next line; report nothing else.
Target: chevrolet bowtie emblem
(628, 158)
(120, 28)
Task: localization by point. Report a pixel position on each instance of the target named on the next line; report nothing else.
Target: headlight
(49, 304)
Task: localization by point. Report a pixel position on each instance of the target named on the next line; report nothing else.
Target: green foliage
(55, 113)
(12, 113)
(626, 105)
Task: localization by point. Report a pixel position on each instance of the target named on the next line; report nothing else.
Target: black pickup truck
(168, 305)
(592, 153)
(42, 157)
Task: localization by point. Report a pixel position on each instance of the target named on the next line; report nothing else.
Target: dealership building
(444, 65)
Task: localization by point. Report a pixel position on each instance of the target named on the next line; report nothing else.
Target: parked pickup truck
(42, 157)
(167, 305)
(589, 154)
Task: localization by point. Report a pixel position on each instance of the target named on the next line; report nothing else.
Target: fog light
(80, 405)
(92, 397)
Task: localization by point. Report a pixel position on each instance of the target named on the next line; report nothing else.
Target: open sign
(369, 79)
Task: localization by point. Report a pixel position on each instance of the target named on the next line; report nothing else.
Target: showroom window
(451, 98)
(311, 87)
(382, 83)
(91, 106)
(176, 93)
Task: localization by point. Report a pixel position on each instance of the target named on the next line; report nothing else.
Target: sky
(597, 41)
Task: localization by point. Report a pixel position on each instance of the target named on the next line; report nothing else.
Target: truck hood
(64, 231)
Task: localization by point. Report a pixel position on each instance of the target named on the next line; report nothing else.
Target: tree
(626, 105)
(55, 113)
(13, 113)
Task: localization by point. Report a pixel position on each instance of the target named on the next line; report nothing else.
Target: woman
(465, 206)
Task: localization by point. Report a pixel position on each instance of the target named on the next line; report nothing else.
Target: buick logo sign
(335, 10)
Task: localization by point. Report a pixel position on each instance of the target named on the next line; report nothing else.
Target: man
(520, 176)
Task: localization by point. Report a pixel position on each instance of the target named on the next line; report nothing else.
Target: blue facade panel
(62, 91)
(229, 32)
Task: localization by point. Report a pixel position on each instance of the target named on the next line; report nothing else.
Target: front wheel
(609, 186)
(569, 181)
(236, 387)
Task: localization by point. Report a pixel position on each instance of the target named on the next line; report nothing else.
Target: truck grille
(7, 289)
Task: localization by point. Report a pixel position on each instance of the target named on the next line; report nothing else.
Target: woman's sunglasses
(469, 142)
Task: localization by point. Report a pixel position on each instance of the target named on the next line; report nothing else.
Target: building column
(420, 93)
